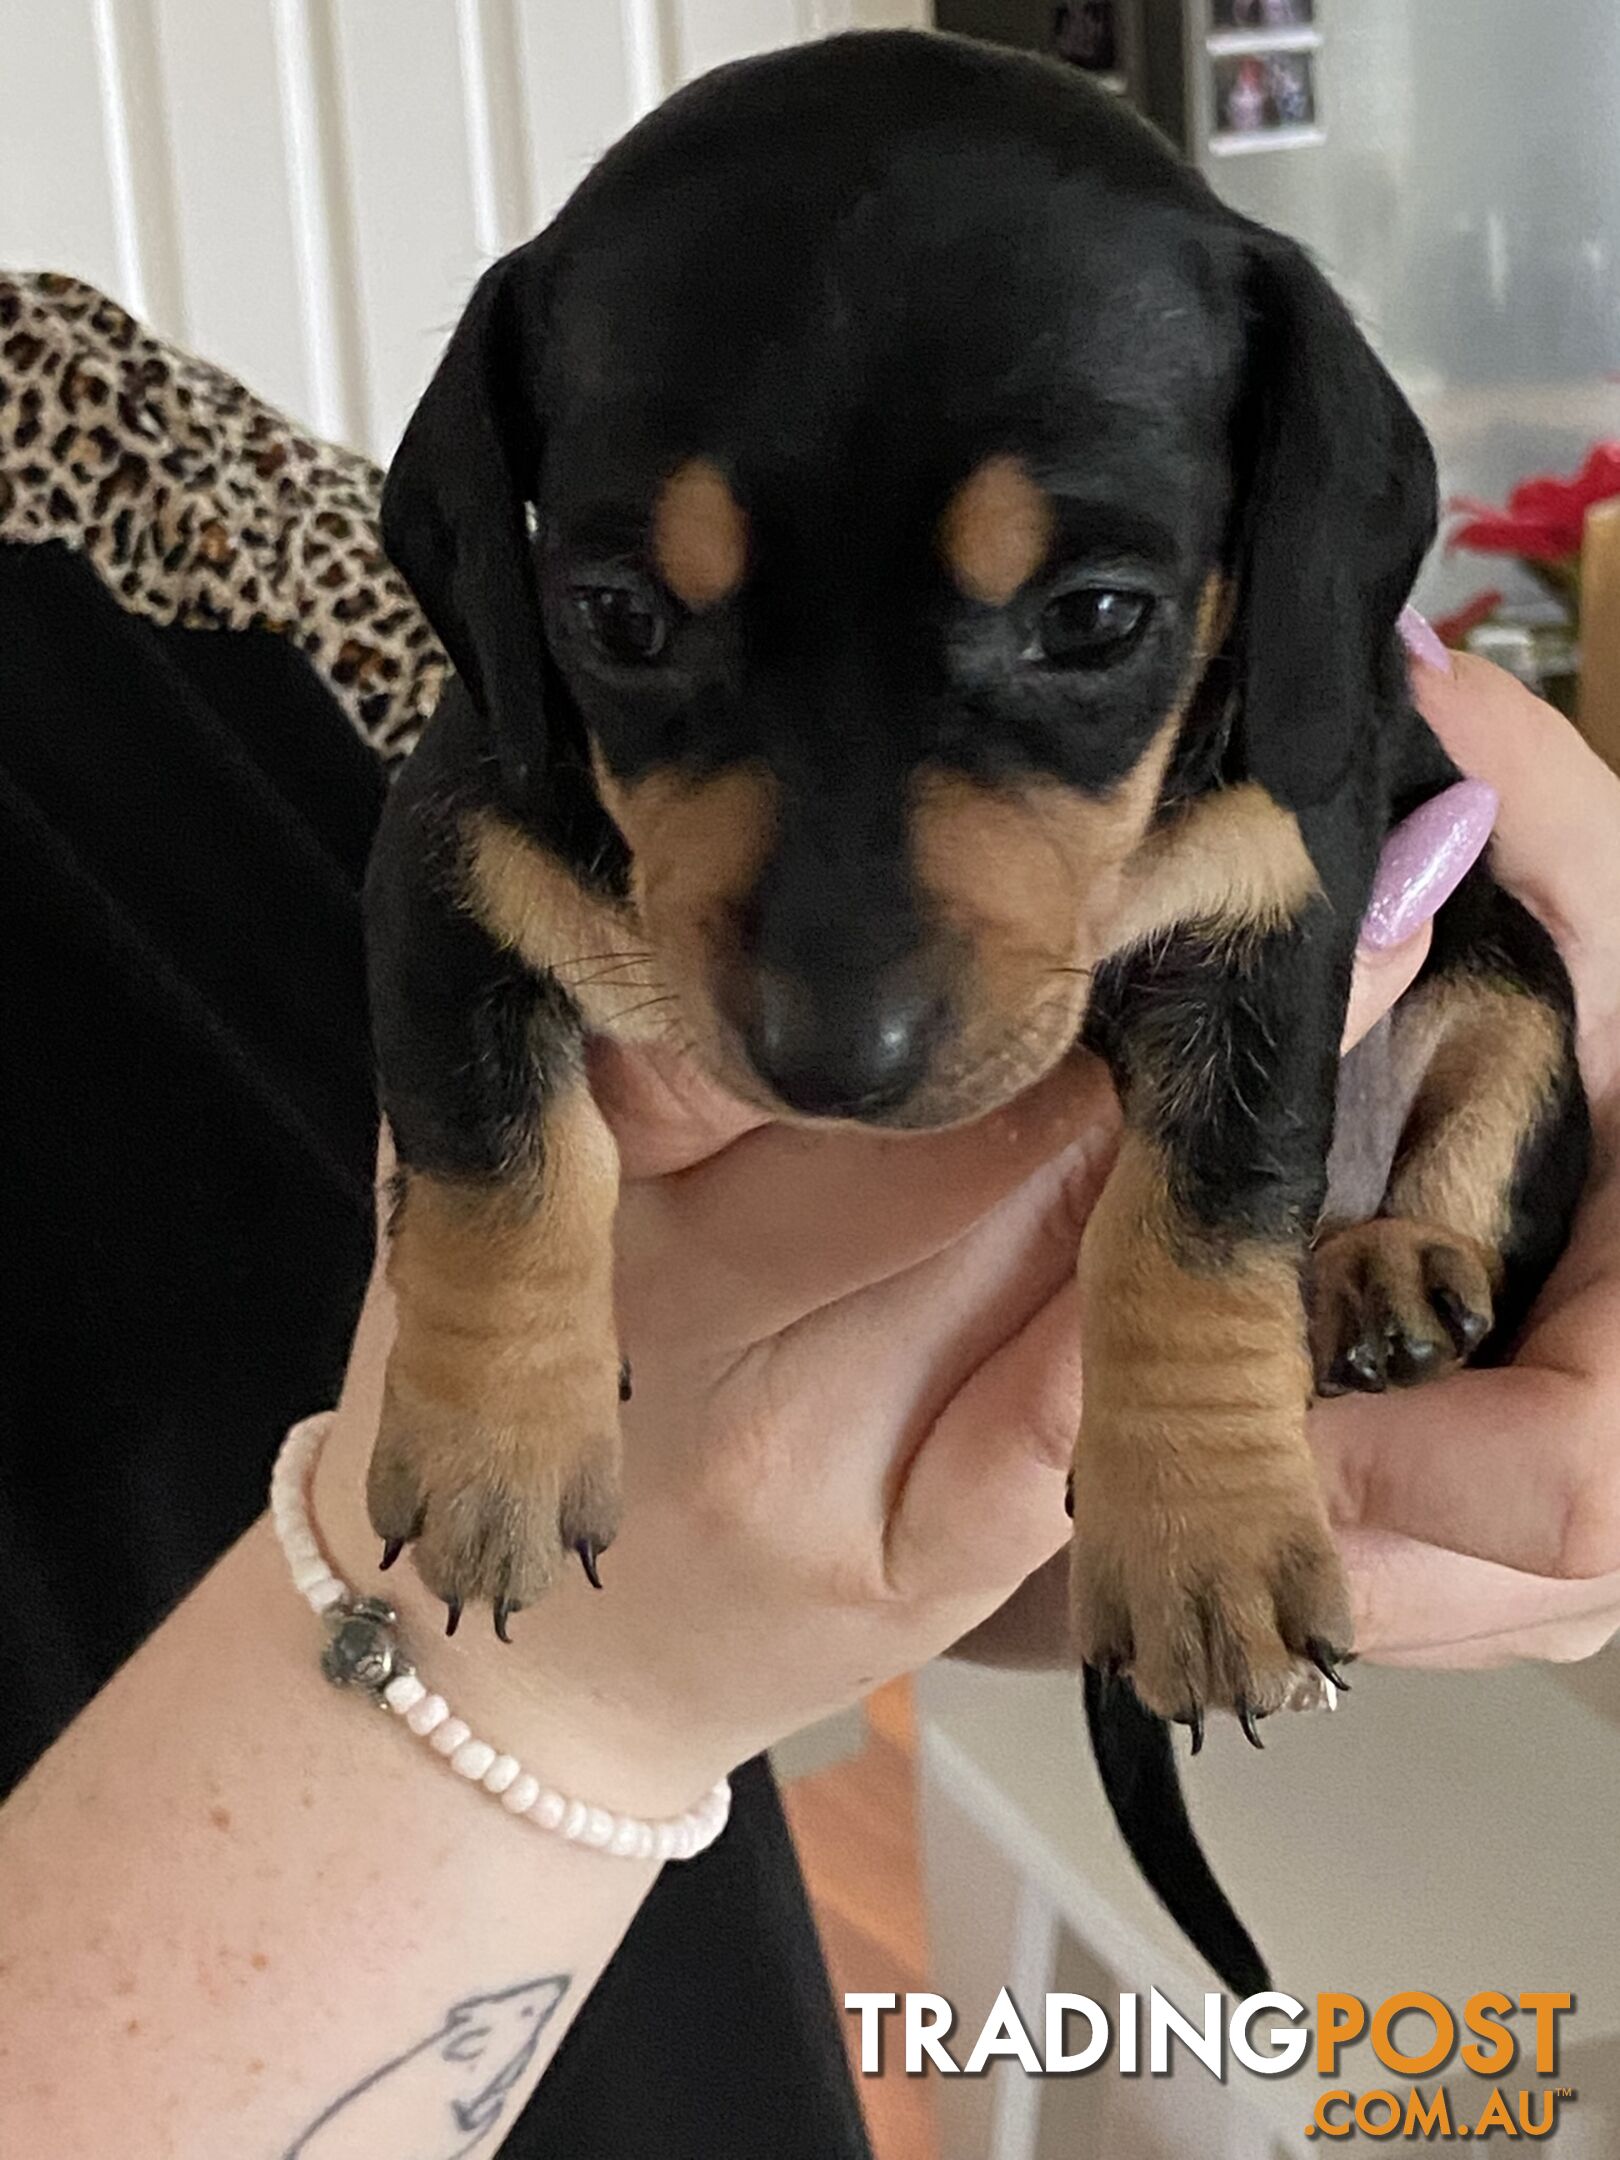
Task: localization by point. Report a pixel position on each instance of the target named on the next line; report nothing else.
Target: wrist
(602, 1734)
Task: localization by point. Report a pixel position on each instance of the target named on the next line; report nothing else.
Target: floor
(856, 1829)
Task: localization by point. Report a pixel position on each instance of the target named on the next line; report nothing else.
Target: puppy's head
(896, 479)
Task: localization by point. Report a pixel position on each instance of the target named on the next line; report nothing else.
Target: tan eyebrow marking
(996, 530)
(699, 534)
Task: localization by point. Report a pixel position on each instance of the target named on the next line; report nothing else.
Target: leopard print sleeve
(199, 504)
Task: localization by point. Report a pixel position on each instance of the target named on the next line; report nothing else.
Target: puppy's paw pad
(1394, 1303)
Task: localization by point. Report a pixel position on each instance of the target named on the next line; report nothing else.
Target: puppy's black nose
(845, 1051)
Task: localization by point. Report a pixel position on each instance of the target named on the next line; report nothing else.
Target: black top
(188, 1131)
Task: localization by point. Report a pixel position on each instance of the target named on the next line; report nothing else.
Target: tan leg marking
(1409, 1296)
(1202, 1558)
(996, 530)
(1494, 1056)
(499, 1442)
(699, 535)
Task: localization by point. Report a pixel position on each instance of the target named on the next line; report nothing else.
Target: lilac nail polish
(1422, 641)
(1425, 859)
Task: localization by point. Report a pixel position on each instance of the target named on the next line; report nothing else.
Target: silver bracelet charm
(363, 1650)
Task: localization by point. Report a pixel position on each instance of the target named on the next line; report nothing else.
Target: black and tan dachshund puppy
(922, 577)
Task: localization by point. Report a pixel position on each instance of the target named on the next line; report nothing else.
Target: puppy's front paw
(494, 1507)
(497, 1454)
(1393, 1303)
(1210, 1605)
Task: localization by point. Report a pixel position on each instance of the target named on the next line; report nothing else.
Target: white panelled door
(305, 190)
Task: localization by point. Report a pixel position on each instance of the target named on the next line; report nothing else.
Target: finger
(881, 1371)
(1556, 1641)
(1560, 803)
(982, 1505)
(1482, 1463)
(930, 1330)
(1379, 979)
(1419, 1604)
(665, 1111)
(788, 1220)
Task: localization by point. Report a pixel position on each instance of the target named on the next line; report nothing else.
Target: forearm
(237, 1900)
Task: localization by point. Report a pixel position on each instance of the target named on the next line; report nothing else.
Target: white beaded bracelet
(363, 1650)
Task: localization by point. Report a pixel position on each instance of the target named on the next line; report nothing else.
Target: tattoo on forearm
(445, 2095)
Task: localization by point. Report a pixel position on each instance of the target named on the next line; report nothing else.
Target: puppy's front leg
(1203, 1563)
(498, 1450)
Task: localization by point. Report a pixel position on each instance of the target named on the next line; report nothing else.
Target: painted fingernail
(1423, 641)
(1425, 859)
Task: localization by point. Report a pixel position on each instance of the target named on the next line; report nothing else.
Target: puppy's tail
(1137, 1765)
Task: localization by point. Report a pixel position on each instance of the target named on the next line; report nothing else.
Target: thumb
(1379, 980)
(982, 1506)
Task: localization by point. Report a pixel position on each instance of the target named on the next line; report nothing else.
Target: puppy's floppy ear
(455, 509)
(1340, 509)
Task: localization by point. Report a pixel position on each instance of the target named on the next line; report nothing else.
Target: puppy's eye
(1090, 627)
(629, 622)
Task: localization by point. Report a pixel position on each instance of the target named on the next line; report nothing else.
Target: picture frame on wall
(1262, 15)
(1086, 34)
(1090, 35)
(1259, 94)
(1261, 64)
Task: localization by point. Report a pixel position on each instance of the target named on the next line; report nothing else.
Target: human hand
(1480, 1517)
(857, 1386)
(855, 1396)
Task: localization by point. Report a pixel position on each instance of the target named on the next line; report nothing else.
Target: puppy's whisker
(666, 997)
(620, 975)
(610, 955)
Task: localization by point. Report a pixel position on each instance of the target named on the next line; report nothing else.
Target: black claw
(1412, 1361)
(392, 1548)
(504, 1609)
(1357, 1368)
(624, 1380)
(1251, 1731)
(589, 1552)
(1068, 1496)
(1322, 1658)
(1466, 1327)
(1195, 1719)
(452, 1615)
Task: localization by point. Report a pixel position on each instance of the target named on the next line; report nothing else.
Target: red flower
(1545, 518)
(1452, 630)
